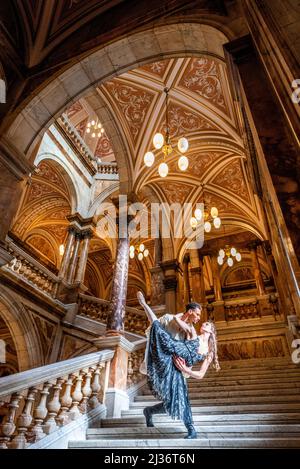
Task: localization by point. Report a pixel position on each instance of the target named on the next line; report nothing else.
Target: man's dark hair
(192, 306)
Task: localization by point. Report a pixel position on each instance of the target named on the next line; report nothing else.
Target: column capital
(170, 283)
(253, 245)
(172, 264)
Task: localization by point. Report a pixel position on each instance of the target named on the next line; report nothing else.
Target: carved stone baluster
(40, 413)
(130, 371)
(8, 425)
(94, 401)
(86, 391)
(76, 398)
(24, 421)
(66, 402)
(53, 408)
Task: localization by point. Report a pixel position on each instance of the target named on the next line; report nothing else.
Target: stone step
(234, 397)
(138, 419)
(243, 393)
(253, 374)
(231, 406)
(246, 441)
(172, 431)
(239, 381)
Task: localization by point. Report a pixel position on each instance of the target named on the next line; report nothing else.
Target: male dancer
(191, 316)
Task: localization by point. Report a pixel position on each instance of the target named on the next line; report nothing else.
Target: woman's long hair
(213, 347)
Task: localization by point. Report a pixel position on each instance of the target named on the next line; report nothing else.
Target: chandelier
(94, 128)
(164, 144)
(208, 217)
(231, 254)
(140, 251)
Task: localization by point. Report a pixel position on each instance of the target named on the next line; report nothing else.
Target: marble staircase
(248, 404)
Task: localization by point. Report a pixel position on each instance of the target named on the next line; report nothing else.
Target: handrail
(30, 378)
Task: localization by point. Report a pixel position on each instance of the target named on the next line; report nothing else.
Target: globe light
(183, 163)
(61, 249)
(207, 227)
(163, 170)
(99, 126)
(217, 222)
(238, 257)
(140, 256)
(233, 252)
(193, 223)
(93, 135)
(158, 141)
(146, 253)
(214, 212)
(131, 249)
(230, 261)
(89, 124)
(220, 260)
(183, 145)
(149, 159)
(222, 253)
(131, 254)
(102, 130)
(99, 134)
(93, 122)
(198, 214)
(142, 247)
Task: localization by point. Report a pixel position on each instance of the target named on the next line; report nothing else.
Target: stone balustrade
(134, 361)
(27, 268)
(107, 168)
(95, 308)
(85, 153)
(245, 308)
(37, 402)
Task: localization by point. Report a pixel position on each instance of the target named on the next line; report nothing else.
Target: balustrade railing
(95, 308)
(105, 167)
(26, 267)
(37, 402)
(134, 361)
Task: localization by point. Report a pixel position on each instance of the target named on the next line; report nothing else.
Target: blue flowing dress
(166, 382)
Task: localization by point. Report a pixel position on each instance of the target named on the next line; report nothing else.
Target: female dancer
(168, 358)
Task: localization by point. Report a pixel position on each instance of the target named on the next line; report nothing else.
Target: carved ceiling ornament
(176, 192)
(133, 103)
(232, 178)
(156, 68)
(203, 77)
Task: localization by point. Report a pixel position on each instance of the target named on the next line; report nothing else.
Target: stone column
(170, 283)
(116, 313)
(67, 254)
(219, 311)
(186, 279)
(256, 269)
(74, 259)
(14, 171)
(198, 289)
(216, 278)
(86, 236)
(157, 287)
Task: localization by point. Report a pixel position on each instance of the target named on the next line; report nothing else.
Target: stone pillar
(116, 398)
(198, 289)
(170, 283)
(86, 237)
(157, 287)
(256, 269)
(219, 311)
(14, 171)
(74, 259)
(186, 279)
(67, 254)
(116, 313)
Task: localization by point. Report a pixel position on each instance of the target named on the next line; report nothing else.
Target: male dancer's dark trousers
(159, 409)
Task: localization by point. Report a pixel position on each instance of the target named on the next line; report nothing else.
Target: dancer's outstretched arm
(150, 315)
(180, 364)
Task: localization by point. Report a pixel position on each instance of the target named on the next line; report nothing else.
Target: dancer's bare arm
(150, 314)
(184, 326)
(180, 364)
